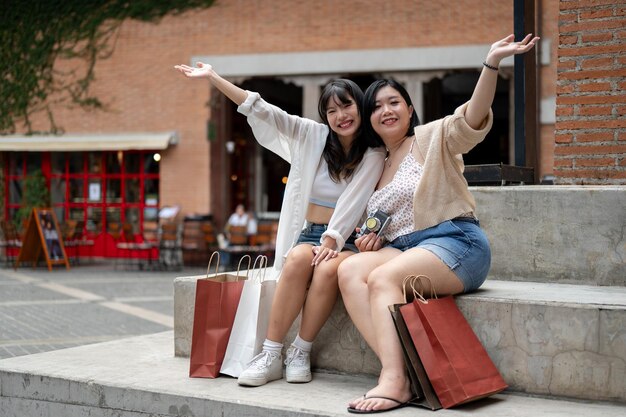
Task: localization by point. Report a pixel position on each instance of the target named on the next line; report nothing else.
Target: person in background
(252, 228)
(433, 229)
(239, 217)
(334, 170)
(52, 239)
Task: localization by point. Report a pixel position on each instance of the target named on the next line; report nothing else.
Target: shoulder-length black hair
(341, 165)
(370, 102)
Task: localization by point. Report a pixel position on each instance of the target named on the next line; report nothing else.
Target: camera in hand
(376, 223)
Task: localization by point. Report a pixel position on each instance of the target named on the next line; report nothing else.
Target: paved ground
(43, 310)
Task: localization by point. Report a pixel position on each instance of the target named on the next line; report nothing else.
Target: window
(96, 188)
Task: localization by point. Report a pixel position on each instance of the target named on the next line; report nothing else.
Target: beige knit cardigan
(442, 193)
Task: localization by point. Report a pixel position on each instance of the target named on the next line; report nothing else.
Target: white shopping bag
(251, 321)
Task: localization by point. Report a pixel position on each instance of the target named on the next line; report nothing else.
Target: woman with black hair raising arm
(334, 170)
(433, 230)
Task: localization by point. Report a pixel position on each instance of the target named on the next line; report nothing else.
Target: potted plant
(36, 195)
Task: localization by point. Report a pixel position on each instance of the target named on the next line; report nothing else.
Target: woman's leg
(352, 274)
(321, 296)
(385, 287)
(320, 299)
(287, 303)
(290, 291)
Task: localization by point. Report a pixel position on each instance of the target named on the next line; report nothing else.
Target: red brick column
(591, 93)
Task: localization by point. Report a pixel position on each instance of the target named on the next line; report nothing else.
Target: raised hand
(485, 89)
(201, 70)
(507, 47)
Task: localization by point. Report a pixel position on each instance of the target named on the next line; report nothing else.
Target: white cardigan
(301, 142)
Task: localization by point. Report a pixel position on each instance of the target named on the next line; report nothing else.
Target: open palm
(201, 70)
(507, 47)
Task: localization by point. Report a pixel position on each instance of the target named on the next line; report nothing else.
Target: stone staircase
(552, 316)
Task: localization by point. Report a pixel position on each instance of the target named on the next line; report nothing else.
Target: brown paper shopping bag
(423, 392)
(217, 298)
(457, 365)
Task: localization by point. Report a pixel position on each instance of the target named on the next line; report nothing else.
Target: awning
(88, 142)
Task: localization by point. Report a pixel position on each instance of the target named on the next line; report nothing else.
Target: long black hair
(341, 165)
(370, 102)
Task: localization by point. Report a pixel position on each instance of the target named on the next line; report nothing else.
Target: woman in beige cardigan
(433, 230)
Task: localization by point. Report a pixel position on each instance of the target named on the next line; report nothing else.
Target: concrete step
(566, 234)
(139, 377)
(548, 339)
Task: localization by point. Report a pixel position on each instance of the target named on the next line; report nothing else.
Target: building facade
(286, 50)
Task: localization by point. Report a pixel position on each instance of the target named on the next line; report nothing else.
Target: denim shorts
(312, 234)
(460, 243)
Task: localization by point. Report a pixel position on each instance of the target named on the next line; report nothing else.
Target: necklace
(389, 158)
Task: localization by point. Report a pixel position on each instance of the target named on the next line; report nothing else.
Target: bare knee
(348, 272)
(380, 281)
(326, 274)
(298, 263)
(300, 254)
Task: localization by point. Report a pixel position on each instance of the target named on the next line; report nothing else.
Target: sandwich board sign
(43, 237)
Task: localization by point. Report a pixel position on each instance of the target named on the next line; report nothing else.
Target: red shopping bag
(457, 364)
(217, 298)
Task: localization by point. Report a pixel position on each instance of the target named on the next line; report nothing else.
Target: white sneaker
(263, 368)
(298, 365)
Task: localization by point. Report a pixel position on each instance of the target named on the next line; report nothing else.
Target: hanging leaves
(35, 34)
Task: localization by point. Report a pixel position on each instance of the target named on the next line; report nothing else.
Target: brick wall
(591, 100)
(144, 93)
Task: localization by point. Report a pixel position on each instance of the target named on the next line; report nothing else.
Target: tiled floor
(43, 310)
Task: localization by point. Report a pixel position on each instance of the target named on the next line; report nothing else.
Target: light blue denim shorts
(460, 243)
(312, 234)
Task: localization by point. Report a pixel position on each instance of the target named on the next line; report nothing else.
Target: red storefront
(100, 182)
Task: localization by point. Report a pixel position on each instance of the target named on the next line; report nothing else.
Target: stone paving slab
(100, 271)
(86, 319)
(140, 377)
(572, 295)
(43, 310)
(127, 287)
(35, 328)
(26, 347)
(14, 291)
(161, 306)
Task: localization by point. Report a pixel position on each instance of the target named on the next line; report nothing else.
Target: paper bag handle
(433, 291)
(260, 273)
(239, 265)
(217, 266)
(418, 293)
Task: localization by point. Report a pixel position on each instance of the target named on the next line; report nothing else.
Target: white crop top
(325, 191)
